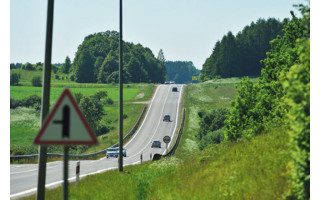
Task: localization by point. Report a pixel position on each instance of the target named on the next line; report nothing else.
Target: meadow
(247, 169)
(25, 122)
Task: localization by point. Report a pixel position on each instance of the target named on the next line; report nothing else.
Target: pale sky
(184, 29)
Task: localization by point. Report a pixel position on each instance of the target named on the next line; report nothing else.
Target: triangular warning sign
(65, 125)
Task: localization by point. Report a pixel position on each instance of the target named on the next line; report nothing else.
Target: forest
(240, 55)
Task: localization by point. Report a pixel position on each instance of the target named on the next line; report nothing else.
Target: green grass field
(20, 92)
(25, 122)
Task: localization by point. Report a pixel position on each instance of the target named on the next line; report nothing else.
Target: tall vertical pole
(120, 161)
(45, 101)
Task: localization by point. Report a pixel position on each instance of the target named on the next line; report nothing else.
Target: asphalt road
(23, 178)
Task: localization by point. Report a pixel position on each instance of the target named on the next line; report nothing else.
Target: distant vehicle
(166, 118)
(112, 152)
(124, 152)
(156, 144)
(172, 82)
(174, 89)
(166, 82)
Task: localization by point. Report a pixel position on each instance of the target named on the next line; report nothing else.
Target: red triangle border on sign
(66, 93)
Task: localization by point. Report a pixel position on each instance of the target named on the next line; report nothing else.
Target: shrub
(31, 101)
(36, 81)
(109, 101)
(215, 137)
(92, 110)
(77, 97)
(14, 103)
(72, 77)
(102, 129)
(14, 78)
(37, 107)
(212, 121)
(57, 77)
(99, 95)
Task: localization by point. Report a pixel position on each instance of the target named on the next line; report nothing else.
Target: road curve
(23, 178)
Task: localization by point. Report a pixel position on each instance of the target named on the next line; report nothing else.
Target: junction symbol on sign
(66, 125)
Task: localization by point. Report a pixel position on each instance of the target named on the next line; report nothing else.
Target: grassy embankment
(253, 169)
(25, 122)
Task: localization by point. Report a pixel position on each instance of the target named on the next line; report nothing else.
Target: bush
(31, 101)
(77, 97)
(99, 95)
(215, 137)
(14, 78)
(212, 121)
(57, 77)
(37, 107)
(102, 129)
(36, 81)
(72, 77)
(92, 110)
(109, 101)
(14, 103)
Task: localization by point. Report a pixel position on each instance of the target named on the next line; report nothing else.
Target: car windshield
(111, 150)
(156, 142)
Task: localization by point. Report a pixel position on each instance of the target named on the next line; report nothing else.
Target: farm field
(25, 122)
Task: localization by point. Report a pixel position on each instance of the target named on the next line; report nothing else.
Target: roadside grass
(25, 122)
(202, 97)
(253, 169)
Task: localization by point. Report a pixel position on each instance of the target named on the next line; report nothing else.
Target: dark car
(124, 152)
(174, 89)
(166, 118)
(156, 144)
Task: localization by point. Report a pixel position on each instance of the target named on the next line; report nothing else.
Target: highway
(23, 178)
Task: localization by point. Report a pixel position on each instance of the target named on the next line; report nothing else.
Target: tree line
(240, 55)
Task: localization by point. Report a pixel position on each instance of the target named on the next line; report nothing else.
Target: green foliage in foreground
(243, 170)
(296, 84)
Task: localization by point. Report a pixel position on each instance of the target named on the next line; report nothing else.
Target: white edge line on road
(177, 116)
(69, 179)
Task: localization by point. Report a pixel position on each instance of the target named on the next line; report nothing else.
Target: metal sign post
(65, 172)
(120, 161)
(45, 101)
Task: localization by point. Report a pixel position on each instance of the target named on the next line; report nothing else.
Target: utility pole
(120, 161)
(45, 101)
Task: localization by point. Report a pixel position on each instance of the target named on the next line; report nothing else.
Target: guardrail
(52, 155)
(171, 152)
